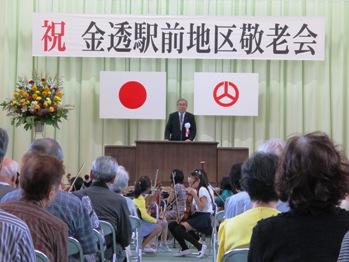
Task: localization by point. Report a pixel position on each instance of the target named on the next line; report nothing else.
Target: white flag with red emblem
(226, 94)
(132, 95)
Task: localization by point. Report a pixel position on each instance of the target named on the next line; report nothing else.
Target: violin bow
(78, 175)
(156, 177)
(174, 192)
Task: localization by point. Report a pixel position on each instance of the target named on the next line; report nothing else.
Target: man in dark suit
(181, 124)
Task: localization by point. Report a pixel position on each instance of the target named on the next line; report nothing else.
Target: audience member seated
(16, 243)
(177, 197)
(119, 186)
(41, 176)
(65, 206)
(108, 205)
(344, 251)
(226, 190)
(313, 177)
(151, 227)
(241, 202)
(197, 216)
(258, 175)
(78, 183)
(3, 144)
(87, 180)
(8, 176)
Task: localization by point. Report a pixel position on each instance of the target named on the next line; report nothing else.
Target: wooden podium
(148, 156)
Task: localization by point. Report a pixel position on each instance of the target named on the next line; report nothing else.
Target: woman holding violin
(151, 227)
(200, 198)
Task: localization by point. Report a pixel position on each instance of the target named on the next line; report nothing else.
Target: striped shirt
(15, 240)
(344, 252)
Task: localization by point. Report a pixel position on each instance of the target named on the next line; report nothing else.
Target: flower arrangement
(37, 101)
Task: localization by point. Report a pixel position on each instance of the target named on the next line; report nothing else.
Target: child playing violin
(177, 197)
(199, 220)
(151, 227)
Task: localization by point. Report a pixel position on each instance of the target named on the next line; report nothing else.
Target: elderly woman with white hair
(119, 186)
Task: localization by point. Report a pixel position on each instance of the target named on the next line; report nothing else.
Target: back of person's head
(177, 176)
(39, 175)
(235, 176)
(273, 146)
(142, 185)
(121, 180)
(9, 171)
(78, 182)
(3, 143)
(313, 174)
(258, 177)
(47, 146)
(226, 184)
(104, 169)
(201, 175)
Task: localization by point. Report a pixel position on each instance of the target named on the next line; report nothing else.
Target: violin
(187, 211)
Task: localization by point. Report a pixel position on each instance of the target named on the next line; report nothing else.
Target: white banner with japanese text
(197, 37)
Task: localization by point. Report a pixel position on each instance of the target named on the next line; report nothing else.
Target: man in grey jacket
(109, 206)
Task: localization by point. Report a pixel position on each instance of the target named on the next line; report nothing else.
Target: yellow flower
(46, 92)
(37, 106)
(37, 92)
(38, 98)
(51, 109)
(48, 101)
(25, 94)
(59, 94)
(34, 96)
(57, 99)
(34, 88)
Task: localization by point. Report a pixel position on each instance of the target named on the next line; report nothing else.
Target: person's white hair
(272, 146)
(9, 168)
(104, 169)
(121, 180)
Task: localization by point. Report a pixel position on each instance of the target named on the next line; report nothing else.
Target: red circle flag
(132, 94)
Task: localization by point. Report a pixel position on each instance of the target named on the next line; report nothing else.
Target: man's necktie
(181, 116)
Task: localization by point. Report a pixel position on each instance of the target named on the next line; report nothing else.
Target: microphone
(187, 131)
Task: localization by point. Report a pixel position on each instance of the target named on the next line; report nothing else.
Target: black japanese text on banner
(76, 35)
